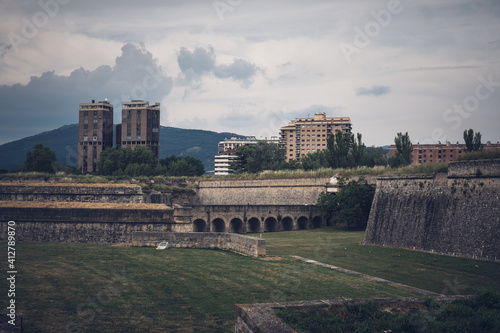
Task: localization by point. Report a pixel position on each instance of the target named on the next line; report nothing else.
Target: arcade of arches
(255, 224)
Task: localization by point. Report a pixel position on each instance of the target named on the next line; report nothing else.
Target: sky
(427, 67)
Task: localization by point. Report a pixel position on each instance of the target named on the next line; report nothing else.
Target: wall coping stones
(261, 317)
(247, 245)
(81, 205)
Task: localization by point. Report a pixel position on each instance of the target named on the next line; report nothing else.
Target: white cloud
(268, 61)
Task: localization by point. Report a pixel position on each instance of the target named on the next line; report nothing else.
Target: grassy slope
(109, 288)
(442, 274)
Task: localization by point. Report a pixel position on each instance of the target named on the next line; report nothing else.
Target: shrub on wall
(351, 206)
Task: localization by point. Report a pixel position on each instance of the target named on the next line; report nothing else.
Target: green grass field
(109, 288)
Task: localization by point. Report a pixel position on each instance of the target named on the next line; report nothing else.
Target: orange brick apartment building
(439, 153)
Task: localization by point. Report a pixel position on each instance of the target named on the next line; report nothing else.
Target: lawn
(110, 288)
(441, 274)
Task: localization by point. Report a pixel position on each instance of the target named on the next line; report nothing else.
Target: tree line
(118, 162)
(142, 162)
(344, 150)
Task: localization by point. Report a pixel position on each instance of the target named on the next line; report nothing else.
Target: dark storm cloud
(375, 91)
(3, 49)
(202, 62)
(50, 100)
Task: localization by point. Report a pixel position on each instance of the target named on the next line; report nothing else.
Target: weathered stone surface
(260, 318)
(304, 191)
(460, 217)
(86, 225)
(251, 246)
(71, 192)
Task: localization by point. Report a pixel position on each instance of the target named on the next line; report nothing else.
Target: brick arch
(287, 223)
(271, 224)
(218, 225)
(253, 225)
(236, 225)
(199, 225)
(317, 222)
(302, 222)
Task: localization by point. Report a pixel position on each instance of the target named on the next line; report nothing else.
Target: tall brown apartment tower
(308, 135)
(140, 126)
(95, 133)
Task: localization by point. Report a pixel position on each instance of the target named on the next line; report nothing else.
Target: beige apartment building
(308, 135)
(95, 133)
(140, 126)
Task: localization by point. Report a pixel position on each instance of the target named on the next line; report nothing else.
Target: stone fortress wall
(70, 192)
(457, 215)
(109, 213)
(250, 246)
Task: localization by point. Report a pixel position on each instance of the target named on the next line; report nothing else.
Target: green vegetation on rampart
(425, 169)
(488, 154)
(476, 315)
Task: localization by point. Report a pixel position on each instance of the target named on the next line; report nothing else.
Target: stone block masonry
(251, 246)
(88, 222)
(303, 191)
(71, 192)
(460, 217)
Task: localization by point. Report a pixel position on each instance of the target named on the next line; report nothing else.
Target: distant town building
(95, 133)
(227, 151)
(308, 135)
(140, 126)
(440, 152)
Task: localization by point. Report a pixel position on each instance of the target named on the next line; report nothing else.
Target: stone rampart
(303, 191)
(255, 218)
(476, 168)
(203, 240)
(68, 223)
(261, 317)
(460, 217)
(71, 192)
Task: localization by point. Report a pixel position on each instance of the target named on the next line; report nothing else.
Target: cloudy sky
(429, 67)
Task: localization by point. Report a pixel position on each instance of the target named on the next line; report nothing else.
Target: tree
(472, 141)
(338, 150)
(351, 205)
(316, 160)
(404, 148)
(374, 156)
(182, 166)
(243, 155)
(259, 157)
(41, 159)
(358, 149)
(132, 162)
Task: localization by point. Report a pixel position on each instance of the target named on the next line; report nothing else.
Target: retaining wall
(71, 192)
(261, 318)
(460, 217)
(89, 225)
(304, 191)
(203, 240)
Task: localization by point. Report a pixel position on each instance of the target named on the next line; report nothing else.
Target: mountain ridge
(201, 144)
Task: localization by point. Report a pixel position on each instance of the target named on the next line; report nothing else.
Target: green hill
(64, 141)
